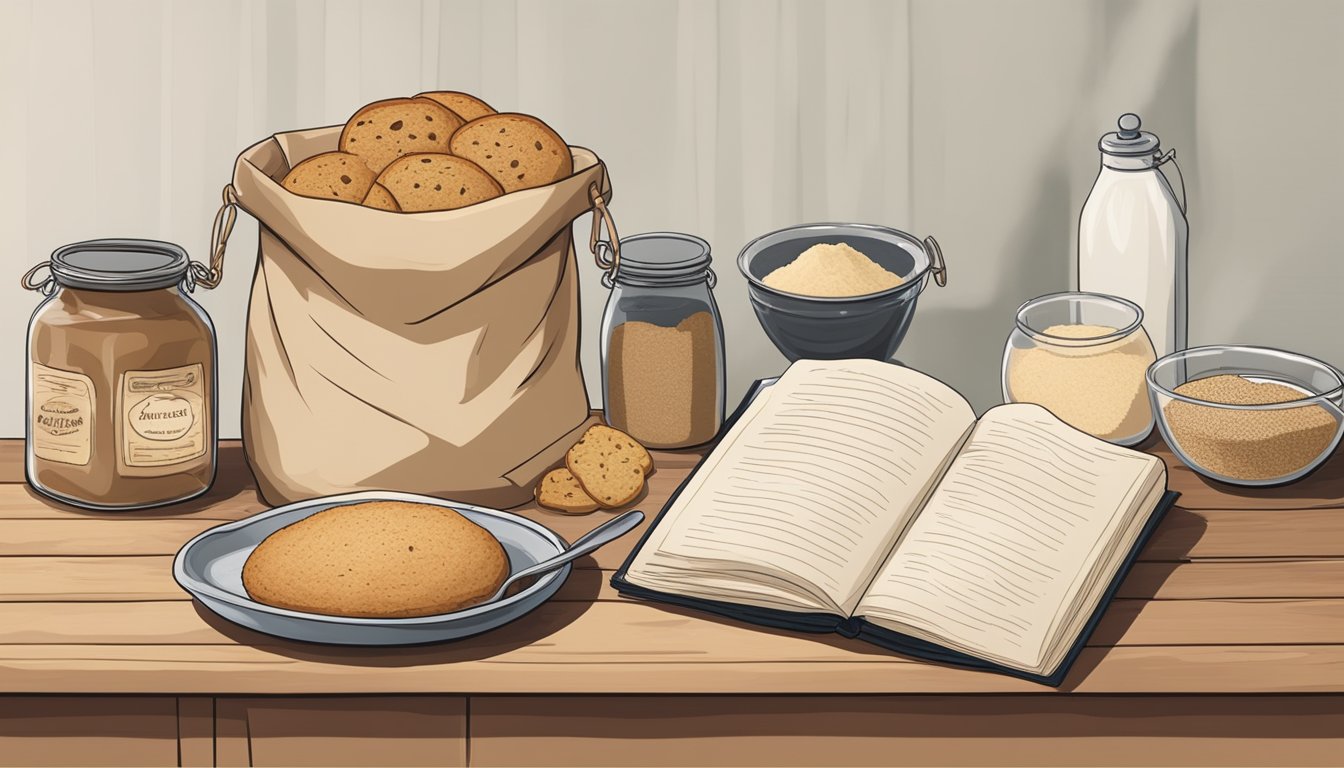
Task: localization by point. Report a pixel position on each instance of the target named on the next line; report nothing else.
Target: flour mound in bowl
(832, 270)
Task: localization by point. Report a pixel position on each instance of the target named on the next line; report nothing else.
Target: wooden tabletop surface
(1240, 591)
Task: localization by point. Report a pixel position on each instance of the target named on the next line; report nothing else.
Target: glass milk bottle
(1133, 233)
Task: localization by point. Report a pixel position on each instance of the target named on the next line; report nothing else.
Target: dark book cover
(857, 627)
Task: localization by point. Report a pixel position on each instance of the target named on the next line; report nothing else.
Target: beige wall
(972, 121)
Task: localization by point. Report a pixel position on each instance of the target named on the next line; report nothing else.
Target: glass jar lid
(659, 257)
(119, 265)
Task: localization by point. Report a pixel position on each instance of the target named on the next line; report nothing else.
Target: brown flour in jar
(145, 363)
(1248, 444)
(663, 381)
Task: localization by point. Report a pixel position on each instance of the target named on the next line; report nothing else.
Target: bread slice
(330, 176)
(465, 105)
(621, 443)
(385, 130)
(520, 151)
(437, 182)
(559, 491)
(609, 465)
(379, 197)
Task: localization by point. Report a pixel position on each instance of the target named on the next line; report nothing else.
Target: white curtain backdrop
(975, 122)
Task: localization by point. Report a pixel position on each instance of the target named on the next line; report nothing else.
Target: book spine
(850, 627)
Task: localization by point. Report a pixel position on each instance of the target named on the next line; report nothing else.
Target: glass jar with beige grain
(121, 408)
(662, 342)
(1083, 357)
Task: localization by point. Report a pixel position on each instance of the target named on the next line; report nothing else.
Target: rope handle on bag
(607, 253)
(207, 275)
(210, 275)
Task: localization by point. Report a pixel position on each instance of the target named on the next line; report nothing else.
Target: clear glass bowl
(1248, 444)
(1083, 357)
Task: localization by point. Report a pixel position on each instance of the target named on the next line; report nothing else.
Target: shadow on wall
(1037, 253)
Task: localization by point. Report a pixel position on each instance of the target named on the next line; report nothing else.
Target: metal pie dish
(833, 328)
(210, 568)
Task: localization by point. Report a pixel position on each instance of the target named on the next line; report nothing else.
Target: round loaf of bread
(520, 151)
(465, 105)
(379, 197)
(436, 182)
(382, 559)
(330, 176)
(385, 130)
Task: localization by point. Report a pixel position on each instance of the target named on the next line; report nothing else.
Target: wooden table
(1225, 647)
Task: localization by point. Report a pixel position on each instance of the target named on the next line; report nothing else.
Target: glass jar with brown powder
(662, 342)
(121, 377)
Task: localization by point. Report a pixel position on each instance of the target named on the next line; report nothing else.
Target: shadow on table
(232, 478)
(1166, 552)
(526, 631)
(580, 591)
(1323, 487)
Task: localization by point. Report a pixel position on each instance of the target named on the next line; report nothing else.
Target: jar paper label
(62, 426)
(163, 416)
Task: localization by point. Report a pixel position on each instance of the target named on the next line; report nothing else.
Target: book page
(803, 498)
(1014, 542)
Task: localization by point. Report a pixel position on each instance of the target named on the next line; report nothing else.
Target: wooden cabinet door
(340, 731)
(1031, 730)
(102, 730)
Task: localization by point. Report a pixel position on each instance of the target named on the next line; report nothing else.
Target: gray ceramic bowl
(817, 328)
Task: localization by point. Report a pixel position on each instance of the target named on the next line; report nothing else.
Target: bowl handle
(937, 264)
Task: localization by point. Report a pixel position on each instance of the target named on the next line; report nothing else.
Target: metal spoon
(609, 531)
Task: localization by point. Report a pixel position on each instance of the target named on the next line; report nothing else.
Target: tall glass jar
(663, 375)
(121, 378)
(1083, 356)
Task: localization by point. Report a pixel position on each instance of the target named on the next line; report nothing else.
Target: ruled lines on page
(1009, 537)
(814, 487)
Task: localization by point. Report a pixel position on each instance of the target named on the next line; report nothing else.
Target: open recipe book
(864, 498)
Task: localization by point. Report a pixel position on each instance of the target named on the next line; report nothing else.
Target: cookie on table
(330, 176)
(464, 105)
(385, 130)
(621, 443)
(382, 559)
(560, 491)
(520, 151)
(437, 182)
(379, 197)
(609, 465)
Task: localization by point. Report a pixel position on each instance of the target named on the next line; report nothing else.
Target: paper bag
(433, 353)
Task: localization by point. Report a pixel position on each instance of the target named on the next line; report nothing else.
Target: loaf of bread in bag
(519, 151)
(465, 105)
(330, 176)
(385, 130)
(437, 182)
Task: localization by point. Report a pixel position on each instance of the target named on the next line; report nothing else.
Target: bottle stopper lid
(1129, 125)
(1129, 140)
